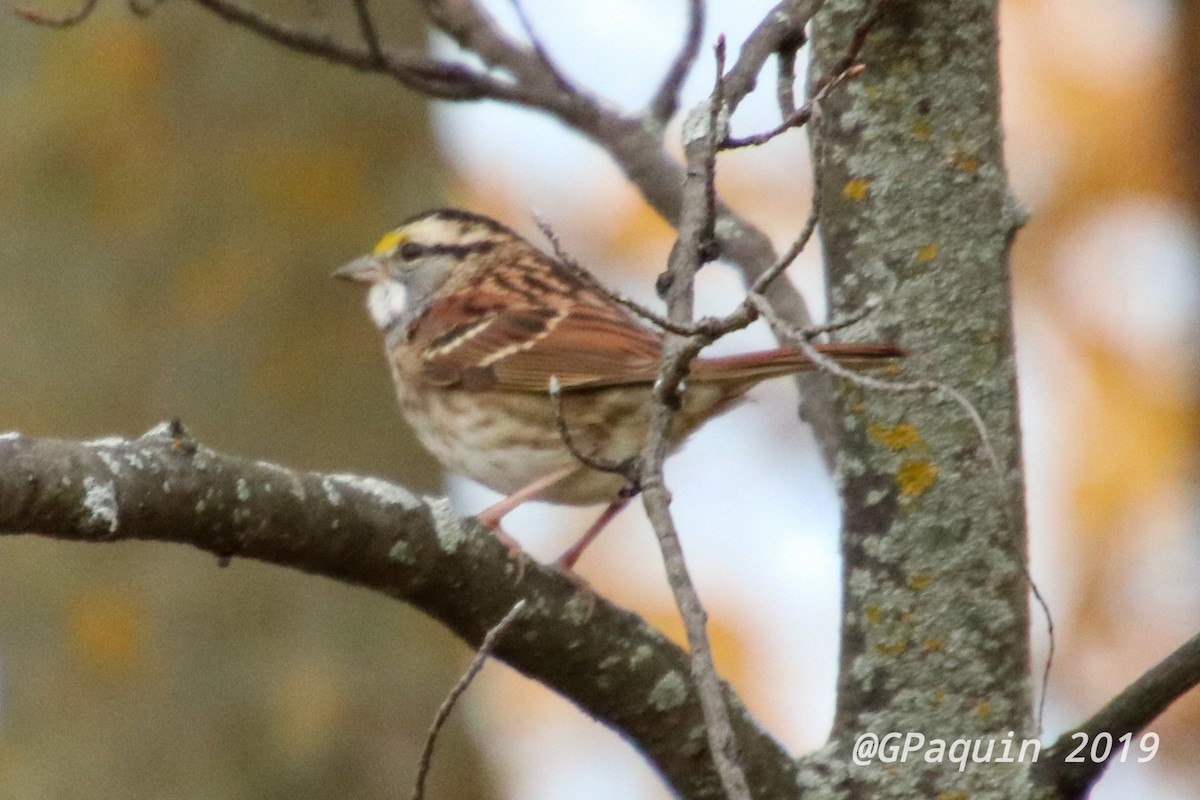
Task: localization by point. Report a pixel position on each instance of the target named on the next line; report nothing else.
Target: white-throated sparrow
(477, 321)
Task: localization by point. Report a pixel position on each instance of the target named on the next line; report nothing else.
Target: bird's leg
(566, 561)
(490, 517)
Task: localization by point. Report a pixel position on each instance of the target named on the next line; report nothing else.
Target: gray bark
(916, 211)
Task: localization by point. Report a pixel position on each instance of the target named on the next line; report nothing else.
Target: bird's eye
(410, 251)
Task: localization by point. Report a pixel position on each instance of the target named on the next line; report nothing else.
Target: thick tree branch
(1130, 711)
(370, 533)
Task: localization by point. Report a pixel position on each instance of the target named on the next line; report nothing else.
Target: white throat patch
(386, 301)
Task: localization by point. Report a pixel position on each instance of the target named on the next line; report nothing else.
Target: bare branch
(781, 28)
(627, 468)
(717, 127)
(844, 70)
(764, 280)
(1130, 711)
(801, 115)
(370, 533)
(539, 50)
(541, 85)
(443, 712)
(438, 78)
(592, 282)
(366, 26)
(700, 137)
(666, 99)
(801, 340)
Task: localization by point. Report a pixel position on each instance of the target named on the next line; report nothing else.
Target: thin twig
(628, 468)
(696, 218)
(708, 329)
(801, 116)
(66, 20)
(539, 50)
(843, 70)
(580, 272)
(443, 713)
(891, 387)
(366, 26)
(666, 99)
(862, 312)
(442, 79)
(716, 132)
(791, 254)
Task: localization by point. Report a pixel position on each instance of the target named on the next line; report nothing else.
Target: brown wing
(512, 331)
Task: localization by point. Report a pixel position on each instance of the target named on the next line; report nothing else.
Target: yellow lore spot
(927, 253)
(389, 243)
(915, 477)
(856, 189)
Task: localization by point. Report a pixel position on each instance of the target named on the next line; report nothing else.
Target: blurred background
(173, 196)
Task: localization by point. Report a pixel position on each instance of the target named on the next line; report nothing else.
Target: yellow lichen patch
(873, 615)
(920, 581)
(895, 648)
(899, 437)
(856, 189)
(953, 796)
(927, 253)
(915, 477)
(939, 697)
(965, 162)
(921, 129)
(983, 709)
(857, 408)
(931, 644)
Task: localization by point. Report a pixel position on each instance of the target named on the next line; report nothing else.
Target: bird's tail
(786, 360)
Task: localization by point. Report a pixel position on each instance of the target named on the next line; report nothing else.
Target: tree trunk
(916, 211)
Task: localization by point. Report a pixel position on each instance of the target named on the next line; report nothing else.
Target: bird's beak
(366, 269)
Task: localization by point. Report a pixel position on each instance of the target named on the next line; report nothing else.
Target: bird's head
(413, 261)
